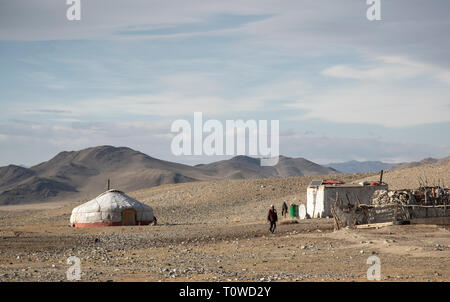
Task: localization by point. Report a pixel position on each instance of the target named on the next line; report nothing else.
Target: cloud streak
(388, 69)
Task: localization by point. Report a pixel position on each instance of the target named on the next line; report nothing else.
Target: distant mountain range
(241, 167)
(354, 166)
(79, 175)
(423, 162)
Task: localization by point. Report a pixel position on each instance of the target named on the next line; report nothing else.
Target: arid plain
(216, 231)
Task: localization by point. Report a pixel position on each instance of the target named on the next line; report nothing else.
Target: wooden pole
(381, 177)
(109, 184)
(336, 219)
(445, 207)
(395, 211)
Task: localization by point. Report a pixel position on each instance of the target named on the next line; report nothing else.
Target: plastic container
(293, 209)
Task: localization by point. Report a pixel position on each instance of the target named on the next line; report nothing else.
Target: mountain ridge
(74, 175)
(423, 162)
(354, 166)
(80, 175)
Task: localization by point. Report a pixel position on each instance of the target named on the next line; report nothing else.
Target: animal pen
(397, 206)
(372, 202)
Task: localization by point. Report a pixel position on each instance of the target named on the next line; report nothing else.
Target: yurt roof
(110, 201)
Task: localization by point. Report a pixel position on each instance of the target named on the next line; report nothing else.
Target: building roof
(347, 185)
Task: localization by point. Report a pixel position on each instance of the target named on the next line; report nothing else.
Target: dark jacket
(272, 216)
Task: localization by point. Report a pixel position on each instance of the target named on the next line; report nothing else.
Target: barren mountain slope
(78, 175)
(241, 167)
(434, 174)
(355, 166)
(423, 162)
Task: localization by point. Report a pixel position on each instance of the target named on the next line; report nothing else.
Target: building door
(129, 217)
(314, 203)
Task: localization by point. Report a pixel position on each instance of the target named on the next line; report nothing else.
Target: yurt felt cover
(107, 208)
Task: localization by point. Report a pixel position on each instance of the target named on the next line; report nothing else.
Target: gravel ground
(216, 231)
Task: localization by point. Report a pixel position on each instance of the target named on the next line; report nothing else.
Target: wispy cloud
(48, 111)
(374, 104)
(388, 68)
(216, 24)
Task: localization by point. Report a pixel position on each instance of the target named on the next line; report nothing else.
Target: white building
(321, 195)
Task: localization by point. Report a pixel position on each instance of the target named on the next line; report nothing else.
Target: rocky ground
(216, 231)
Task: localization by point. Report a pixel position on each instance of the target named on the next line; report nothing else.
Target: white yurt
(112, 208)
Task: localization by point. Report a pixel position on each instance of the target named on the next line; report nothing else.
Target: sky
(342, 87)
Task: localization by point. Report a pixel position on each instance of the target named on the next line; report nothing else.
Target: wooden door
(129, 217)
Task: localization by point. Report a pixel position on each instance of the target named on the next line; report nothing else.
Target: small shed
(320, 195)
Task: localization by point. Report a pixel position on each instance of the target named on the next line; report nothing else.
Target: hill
(78, 175)
(408, 178)
(423, 162)
(355, 166)
(242, 167)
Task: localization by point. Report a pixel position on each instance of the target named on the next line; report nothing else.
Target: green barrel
(292, 210)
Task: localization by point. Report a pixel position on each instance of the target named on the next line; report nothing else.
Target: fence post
(395, 210)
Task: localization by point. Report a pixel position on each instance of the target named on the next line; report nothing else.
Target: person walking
(284, 209)
(272, 217)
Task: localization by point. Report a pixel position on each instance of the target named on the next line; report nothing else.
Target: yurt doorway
(129, 217)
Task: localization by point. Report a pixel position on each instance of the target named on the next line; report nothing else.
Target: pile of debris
(395, 206)
(435, 195)
(422, 196)
(383, 197)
